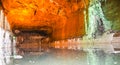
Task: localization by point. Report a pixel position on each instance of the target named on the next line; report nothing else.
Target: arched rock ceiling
(62, 18)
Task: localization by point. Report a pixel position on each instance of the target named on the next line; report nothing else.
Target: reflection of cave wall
(111, 10)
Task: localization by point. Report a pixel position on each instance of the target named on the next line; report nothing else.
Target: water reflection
(65, 52)
(69, 57)
(64, 55)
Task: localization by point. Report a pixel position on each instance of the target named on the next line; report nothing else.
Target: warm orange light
(64, 17)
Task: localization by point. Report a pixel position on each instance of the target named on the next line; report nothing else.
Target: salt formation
(97, 22)
(5, 47)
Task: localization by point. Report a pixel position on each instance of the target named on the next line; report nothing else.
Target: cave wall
(103, 17)
(111, 9)
(97, 24)
(60, 18)
(63, 19)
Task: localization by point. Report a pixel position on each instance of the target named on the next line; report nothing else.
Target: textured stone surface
(112, 12)
(62, 18)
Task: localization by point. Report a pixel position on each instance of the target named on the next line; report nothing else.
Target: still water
(65, 57)
(54, 55)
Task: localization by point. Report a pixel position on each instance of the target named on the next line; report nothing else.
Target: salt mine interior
(59, 32)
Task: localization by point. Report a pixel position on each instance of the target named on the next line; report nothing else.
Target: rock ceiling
(60, 18)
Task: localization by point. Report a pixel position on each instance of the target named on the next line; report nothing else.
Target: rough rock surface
(60, 18)
(112, 13)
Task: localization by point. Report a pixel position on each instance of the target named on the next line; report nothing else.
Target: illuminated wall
(63, 19)
(60, 18)
(97, 22)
